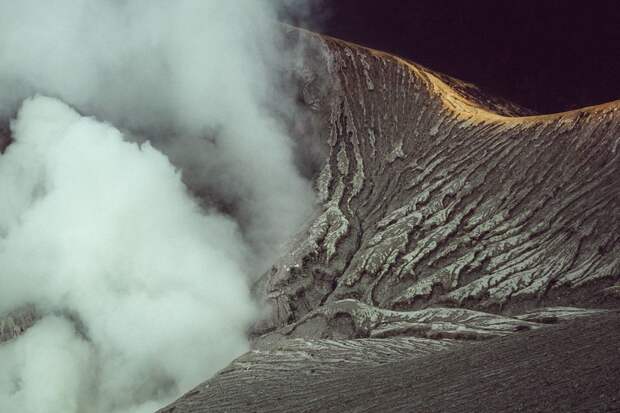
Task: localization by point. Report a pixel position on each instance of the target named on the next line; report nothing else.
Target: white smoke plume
(142, 286)
(196, 77)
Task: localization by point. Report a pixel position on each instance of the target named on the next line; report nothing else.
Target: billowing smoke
(142, 284)
(196, 77)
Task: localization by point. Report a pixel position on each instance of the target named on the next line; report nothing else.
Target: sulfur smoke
(198, 78)
(141, 285)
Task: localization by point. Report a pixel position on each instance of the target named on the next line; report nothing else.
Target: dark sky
(547, 55)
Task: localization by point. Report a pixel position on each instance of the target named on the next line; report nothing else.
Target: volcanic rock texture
(446, 217)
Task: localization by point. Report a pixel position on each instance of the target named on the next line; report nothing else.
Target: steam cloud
(142, 287)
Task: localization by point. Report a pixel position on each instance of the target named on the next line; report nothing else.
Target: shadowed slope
(571, 367)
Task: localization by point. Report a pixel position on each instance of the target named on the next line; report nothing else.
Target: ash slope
(447, 217)
(570, 367)
(431, 196)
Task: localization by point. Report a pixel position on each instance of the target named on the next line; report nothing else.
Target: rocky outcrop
(16, 322)
(352, 319)
(5, 136)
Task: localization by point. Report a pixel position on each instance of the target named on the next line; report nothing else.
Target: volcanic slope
(446, 217)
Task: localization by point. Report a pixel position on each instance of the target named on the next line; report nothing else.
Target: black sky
(547, 55)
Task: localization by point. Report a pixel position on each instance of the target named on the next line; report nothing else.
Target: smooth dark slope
(565, 368)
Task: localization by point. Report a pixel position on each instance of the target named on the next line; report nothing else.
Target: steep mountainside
(430, 197)
(445, 217)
